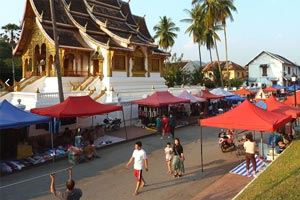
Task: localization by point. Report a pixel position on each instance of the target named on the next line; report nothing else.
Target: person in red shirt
(165, 126)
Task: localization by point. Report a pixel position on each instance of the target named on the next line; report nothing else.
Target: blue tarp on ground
(13, 117)
(278, 87)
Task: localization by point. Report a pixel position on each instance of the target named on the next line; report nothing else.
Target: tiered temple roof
(108, 23)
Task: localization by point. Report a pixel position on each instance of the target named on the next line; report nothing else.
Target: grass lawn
(281, 180)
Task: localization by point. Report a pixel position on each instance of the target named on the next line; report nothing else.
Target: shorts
(138, 174)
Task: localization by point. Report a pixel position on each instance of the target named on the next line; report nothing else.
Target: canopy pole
(261, 142)
(201, 147)
(52, 140)
(130, 114)
(273, 145)
(92, 121)
(124, 124)
(254, 135)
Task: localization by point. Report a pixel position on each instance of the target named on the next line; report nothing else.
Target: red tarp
(291, 99)
(247, 116)
(243, 92)
(270, 89)
(76, 107)
(279, 107)
(159, 99)
(207, 95)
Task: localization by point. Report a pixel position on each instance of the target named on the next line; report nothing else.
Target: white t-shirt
(249, 147)
(169, 153)
(139, 157)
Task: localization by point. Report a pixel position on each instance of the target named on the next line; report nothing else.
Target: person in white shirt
(139, 158)
(249, 146)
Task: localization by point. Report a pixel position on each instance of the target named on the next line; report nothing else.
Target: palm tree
(211, 9)
(211, 37)
(165, 32)
(218, 11)
(196, 28)
(12, 32)
(226, 6)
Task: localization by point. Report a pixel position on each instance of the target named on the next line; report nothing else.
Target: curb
(238, 194)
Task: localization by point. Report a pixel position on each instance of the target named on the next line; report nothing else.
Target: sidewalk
(224, 188)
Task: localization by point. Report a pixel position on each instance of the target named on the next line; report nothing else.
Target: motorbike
(226, 141)
(111, 124)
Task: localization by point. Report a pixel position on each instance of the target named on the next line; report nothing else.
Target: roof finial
(106, 23)
(42, 14)
(138, 28)
(130, 37)
(69, 5)
(144, 16)
(108, 42)
(92, 8)
(85, 25)
(126, 17)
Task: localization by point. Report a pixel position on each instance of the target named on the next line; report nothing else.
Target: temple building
(102, 46)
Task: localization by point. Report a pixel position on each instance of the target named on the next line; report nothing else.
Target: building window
(238, 74)
(289, 70)
(155, 65)
(264, 69)
(119, 62)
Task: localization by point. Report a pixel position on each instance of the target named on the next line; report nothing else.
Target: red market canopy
(243, 92)
(270, 89)
(247, 116)
(279, 107)
(162, 98)
(207, 95)
(291, 99)
(76, 107)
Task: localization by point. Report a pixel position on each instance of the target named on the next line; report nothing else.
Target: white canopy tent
(187, 95)
(221, 92)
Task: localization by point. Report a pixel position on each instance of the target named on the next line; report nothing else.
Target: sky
(259, 25)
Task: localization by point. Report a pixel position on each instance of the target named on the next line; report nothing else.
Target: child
(169, 155)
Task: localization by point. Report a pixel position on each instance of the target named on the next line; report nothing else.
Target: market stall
(158, 104)
(247, 116)
(82, 106)
(197, 105)
(16, 152)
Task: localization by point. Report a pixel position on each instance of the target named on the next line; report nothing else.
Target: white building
(269, 68)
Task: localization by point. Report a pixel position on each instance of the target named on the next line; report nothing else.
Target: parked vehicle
(226, 141)
(111, 124)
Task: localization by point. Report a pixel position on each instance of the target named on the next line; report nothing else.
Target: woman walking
(178, 159)
(249, 146)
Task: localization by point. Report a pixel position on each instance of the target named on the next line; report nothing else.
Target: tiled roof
(232, 66)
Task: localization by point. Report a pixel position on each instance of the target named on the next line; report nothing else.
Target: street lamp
(294, 79)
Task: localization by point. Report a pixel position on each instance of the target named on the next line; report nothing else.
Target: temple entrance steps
(137, 84)
(87, 84)
(30, 84)
(50, 83)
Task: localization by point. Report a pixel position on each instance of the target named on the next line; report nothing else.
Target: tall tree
(165, 32)
(226, 7)
(211, 9)
(12, 32)
(196, 28)
(56, 58)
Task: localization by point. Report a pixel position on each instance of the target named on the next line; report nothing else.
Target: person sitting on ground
(89, 151)
(71, 193)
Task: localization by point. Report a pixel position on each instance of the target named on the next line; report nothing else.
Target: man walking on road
(139, 158)
(70, 193)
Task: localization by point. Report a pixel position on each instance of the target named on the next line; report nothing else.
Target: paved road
(107, 178)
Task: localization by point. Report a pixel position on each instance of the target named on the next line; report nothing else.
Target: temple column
(127, 64)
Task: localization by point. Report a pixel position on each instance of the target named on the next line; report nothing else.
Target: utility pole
(56, 58)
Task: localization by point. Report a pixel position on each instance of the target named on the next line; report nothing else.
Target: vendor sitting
(89, 151)
(281, 146)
